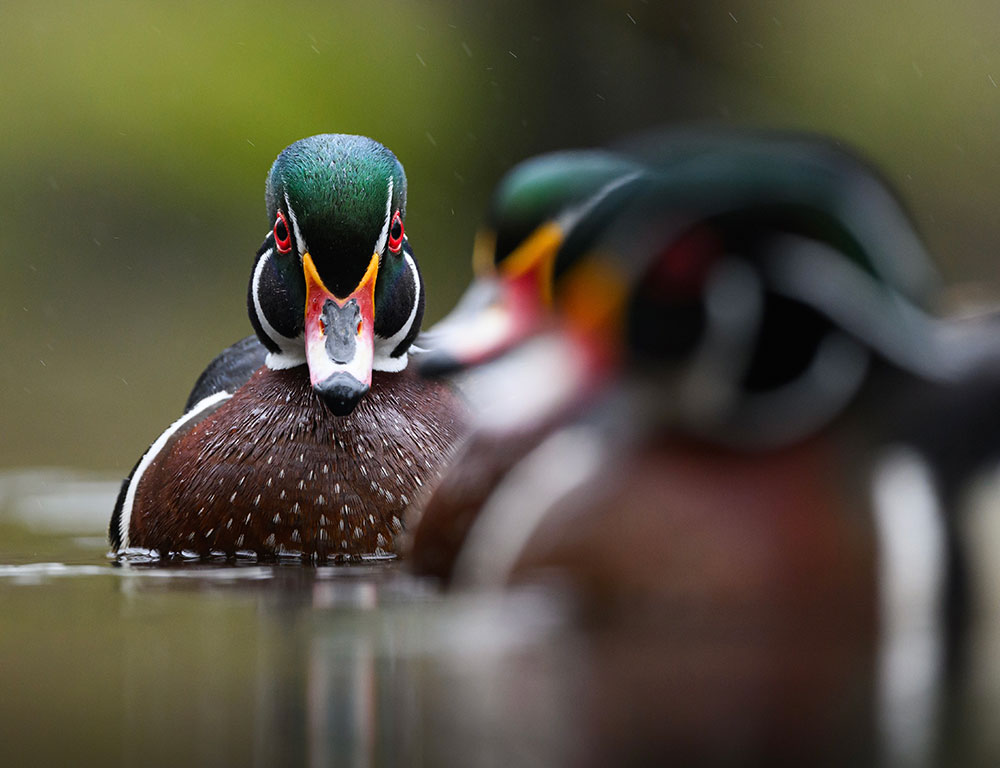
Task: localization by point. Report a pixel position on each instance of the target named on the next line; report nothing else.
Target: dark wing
(229, 371)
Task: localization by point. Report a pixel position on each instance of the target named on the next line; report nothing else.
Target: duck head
(539, 207)
(335, 284)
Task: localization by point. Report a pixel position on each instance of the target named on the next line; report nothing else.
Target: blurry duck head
(536, 207)
(335, 284)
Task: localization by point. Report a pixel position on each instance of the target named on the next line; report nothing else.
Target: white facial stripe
(384, 234)
(572, 216)
(126, 517)
(295, 228)
(384, 347)
(291, 352)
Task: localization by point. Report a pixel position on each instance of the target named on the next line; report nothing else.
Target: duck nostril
(359, 328)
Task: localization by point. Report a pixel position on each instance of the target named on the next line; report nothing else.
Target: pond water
(255, 665)
(367, 665)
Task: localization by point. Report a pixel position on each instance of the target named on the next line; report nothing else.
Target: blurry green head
(542, 191)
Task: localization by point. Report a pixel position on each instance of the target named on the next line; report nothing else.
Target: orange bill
(340, 337)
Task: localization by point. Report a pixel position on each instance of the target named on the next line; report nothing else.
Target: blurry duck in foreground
(735, 339)
(309, 440)
(783, 269)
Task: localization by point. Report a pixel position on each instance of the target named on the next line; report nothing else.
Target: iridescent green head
(543, 189)
(335, 283)
(342, 192)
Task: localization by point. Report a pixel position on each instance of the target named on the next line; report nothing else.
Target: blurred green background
(135, 139)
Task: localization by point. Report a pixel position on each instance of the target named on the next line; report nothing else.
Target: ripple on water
(38, 573)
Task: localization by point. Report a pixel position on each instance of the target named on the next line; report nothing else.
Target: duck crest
(271, 472)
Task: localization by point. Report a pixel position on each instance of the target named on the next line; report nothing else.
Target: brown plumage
(676, 523)
(272, 472)
(451, 509)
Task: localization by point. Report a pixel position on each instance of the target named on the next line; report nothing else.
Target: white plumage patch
(384, 234)
(293, 351)
(521, 503)
(912, 563)
(299, 240)
(383, 347)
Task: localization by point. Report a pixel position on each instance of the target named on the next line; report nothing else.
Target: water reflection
(339, 666)
(279, 664)
(367, 667)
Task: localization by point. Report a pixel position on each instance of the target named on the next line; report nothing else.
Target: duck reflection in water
(734, 335)
(360, 666)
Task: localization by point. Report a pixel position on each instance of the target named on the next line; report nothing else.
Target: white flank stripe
(912, 560)
(150, 456)
(521, 503)
(572, 216)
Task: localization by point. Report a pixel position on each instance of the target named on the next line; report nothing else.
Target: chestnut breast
(271, 471)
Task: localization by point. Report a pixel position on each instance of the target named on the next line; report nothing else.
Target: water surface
(367, 665)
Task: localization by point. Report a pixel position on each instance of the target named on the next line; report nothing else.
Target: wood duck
(741, 479)
(550, 212)
(311, 439)
(756, 280)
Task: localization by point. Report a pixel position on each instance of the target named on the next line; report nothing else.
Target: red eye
(396, 233)
(282, 238)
